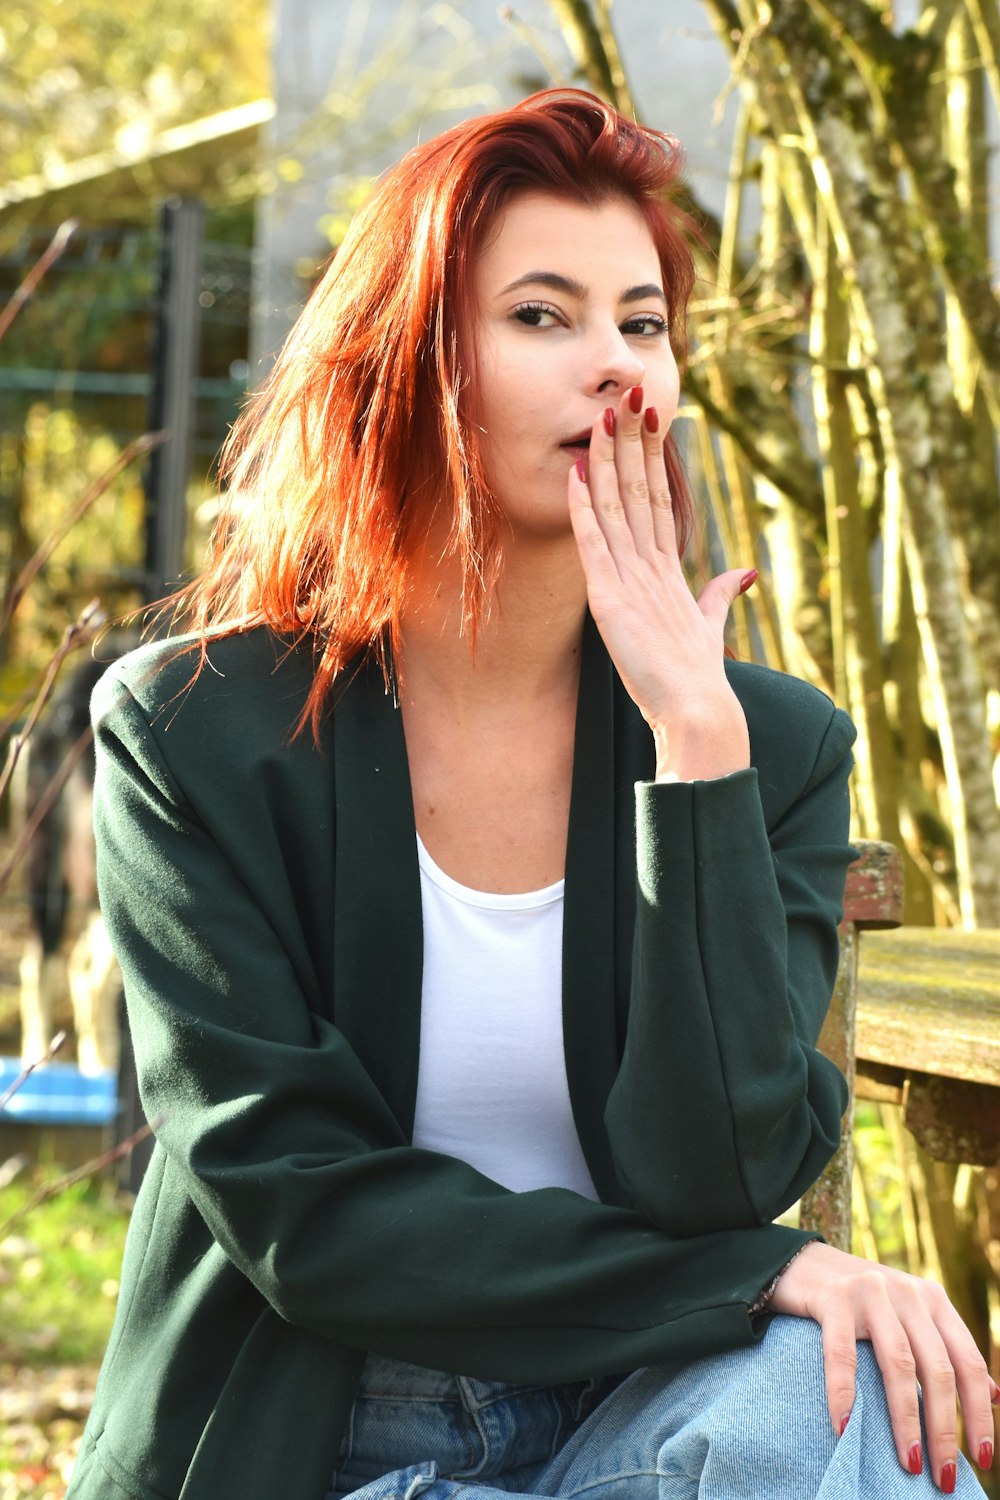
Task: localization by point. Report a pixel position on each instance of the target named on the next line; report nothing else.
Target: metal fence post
(172, 409)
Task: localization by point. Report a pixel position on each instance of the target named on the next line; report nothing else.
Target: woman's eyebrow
(640, 293)
(577, 289)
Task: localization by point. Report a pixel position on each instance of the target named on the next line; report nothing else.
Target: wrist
(766, 1294)
(702, 746)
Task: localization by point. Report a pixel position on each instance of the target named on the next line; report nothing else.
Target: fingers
(628, 480)
(947, 1363)
(667, 653)
(718, 596)
(922, 1348)
(893, 1346)
(629, 493)
(840, 1360)
(975, 1387)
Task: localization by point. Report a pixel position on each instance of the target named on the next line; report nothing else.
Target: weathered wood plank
(873, 893)
(929, 1002)
(954, 1120)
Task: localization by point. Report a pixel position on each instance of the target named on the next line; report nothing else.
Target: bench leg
(827, 1205)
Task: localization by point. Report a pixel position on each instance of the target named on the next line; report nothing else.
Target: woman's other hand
(667, 646)
(915, 1334)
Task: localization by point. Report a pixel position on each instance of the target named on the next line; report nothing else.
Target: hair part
(358, 432)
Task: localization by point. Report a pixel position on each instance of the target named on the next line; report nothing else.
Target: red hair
(358, 431)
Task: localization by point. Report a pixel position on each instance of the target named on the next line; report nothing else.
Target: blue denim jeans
(751, 1424)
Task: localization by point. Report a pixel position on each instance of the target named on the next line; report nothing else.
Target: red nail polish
(986, 1454)
(652, 419)
(635, 399)
(581, 470)
(748, 580)
(609, 421)
(843, 1424)
(915, 1459)
(995, 1398)
(949, 1474)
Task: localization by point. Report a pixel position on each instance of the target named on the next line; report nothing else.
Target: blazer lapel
(378, 938)
(589, 1028)
(378, 941)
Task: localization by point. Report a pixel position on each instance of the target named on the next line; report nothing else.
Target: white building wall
(359, 81)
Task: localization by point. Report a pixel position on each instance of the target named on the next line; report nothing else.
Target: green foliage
(82, 76)
(59, 1268)
(879, 1217)
(91, 312)
(56, 458)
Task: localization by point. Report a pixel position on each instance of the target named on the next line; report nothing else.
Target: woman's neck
(527, 645)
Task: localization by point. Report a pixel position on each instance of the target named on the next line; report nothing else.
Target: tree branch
(801, 482)
(44, 263)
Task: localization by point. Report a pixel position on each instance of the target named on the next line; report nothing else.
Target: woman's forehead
(584, 243)
(543, 231)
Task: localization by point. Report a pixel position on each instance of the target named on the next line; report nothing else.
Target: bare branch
(36, 686)
(937, 20)
(45, 802)
(986, 29)
(896, 74)
(89, 1169)
(595, 51)
(46, 260)
(802, 485)
(82, 630)
(29, 1068)
(35, 563)
(530, 37)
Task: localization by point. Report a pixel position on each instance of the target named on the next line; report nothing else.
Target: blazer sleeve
(723, 1111)
(301, 1172)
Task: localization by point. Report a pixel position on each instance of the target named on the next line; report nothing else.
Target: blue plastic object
(57, 1093)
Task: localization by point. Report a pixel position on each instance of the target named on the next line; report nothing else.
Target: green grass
(59, 1268)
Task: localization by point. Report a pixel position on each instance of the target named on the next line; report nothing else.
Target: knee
(782, 1385)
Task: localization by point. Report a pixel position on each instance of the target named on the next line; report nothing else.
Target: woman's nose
(615, 366)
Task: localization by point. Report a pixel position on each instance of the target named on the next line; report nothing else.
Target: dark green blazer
(264, 901)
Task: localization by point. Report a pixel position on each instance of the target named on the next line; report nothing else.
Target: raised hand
(915, 1334)
(666, 645)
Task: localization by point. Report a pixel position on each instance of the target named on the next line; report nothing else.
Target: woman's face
(570, 313)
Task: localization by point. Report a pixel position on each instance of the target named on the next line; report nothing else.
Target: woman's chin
(546, 525)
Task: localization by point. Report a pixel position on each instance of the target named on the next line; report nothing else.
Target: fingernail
(581, 470)
(635, 399)
(949, 1473)
(995, 1398)
(843, 1425)
(652, 419)
(915, 1459)
(748, 580)
(609, 421)
(986, 1454)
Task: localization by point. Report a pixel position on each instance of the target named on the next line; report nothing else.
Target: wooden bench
(873, 898)
(914, 1021)
(928, 1036)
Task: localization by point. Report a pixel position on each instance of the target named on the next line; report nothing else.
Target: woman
(444, 1161)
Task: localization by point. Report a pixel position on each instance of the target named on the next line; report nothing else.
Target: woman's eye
(650, 325)
(536, 315)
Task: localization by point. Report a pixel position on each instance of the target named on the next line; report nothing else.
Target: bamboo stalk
(858, 673)
(985, 22)
(910, 1220)
(892, 290)
(864, 1227)
(717, 499)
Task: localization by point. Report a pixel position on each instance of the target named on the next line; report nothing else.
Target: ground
(59, 1263)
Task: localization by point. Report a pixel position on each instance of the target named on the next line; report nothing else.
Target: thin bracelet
(765, 1296)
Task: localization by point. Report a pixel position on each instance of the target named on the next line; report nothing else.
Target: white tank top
(491, 1086)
